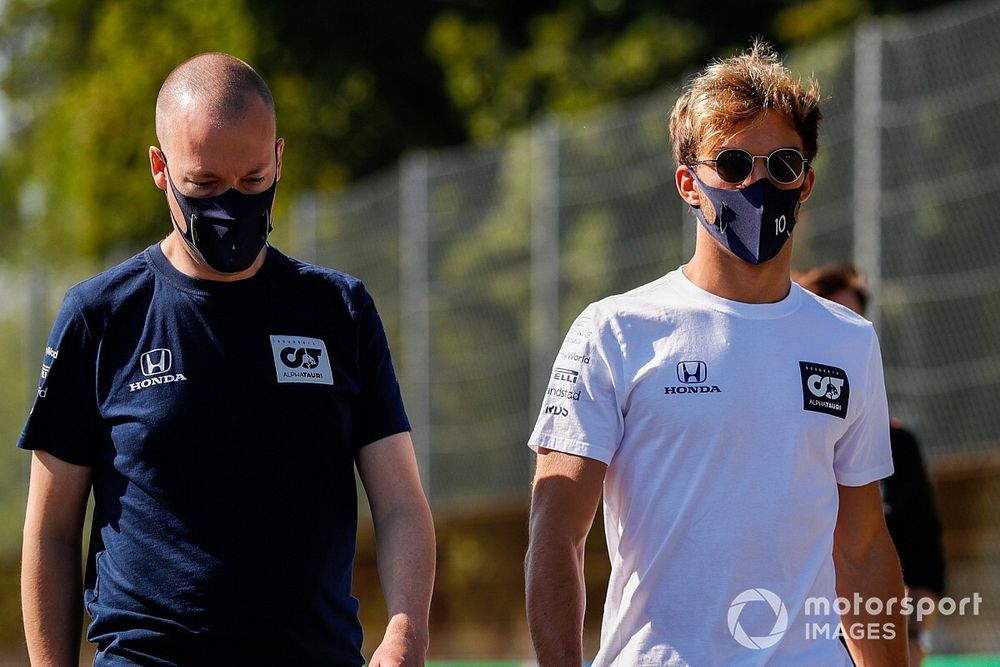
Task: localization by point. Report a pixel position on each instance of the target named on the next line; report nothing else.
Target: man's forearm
(51, 600)
(874, 639)
(406, 554)
(556, 601)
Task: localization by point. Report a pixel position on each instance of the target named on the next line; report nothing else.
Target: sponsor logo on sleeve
(575, 357)
(824, 389)
(580, 332)
(557, 392)
(50, 354)
(567, 375)
(301, 359)
(556, 410)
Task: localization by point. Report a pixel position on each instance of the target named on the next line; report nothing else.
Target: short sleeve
(378, 410)
(580, 411)
(863, 455)
(64, 420)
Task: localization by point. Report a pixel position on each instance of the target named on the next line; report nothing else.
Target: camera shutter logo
(692, 372)
(780, 620)
(156, 362)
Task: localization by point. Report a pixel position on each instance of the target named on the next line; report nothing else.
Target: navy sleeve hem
(23, 444)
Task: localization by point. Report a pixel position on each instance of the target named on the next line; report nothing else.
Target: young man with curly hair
(735, 423)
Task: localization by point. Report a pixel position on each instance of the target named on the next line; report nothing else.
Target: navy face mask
(229, 230)
(753, 222)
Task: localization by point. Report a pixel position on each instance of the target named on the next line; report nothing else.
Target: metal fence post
(868, 158)
(544, 257)
(414, 290)
(305, 227)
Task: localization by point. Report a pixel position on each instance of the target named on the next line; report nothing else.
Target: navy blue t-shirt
(221, 421)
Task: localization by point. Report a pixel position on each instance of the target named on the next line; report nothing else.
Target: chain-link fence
(481, 257)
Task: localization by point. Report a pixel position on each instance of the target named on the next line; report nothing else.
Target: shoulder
(322, 282)
(107, 290)
(651, 299)
(617, 321)
(653, 309)
(833, 316)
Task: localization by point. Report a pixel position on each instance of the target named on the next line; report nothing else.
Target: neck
(716, 270)
(185, 260)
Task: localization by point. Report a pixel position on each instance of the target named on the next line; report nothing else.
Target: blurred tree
(82, 78)
(357, 84)
(562, 68)
(354, 85)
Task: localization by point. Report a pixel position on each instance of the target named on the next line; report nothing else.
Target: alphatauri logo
(824, 389)
(301, 359)
(156, 365)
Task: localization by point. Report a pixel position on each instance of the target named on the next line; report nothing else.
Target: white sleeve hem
(567, 446)
(865, 476)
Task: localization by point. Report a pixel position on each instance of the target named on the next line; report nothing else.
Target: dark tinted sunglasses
(733, 165)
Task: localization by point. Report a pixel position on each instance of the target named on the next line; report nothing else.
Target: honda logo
(156, 361)
(692, 372)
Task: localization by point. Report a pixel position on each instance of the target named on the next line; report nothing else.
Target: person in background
(217, 396)
(907, 495)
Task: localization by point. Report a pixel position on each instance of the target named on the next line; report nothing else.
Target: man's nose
(759, 170)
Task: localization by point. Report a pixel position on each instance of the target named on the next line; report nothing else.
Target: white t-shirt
(726, 428)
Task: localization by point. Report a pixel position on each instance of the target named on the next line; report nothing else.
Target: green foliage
(563, 68)
(357, 84)
(86, 114)
(811, 19)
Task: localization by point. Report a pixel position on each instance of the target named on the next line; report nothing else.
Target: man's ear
(687, 186)
(158, 167)
(807, 185)
(279, 150)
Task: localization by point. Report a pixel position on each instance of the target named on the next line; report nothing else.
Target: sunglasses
(733, 165)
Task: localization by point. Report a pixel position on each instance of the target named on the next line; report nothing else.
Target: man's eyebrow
(199, 173)
(260, 166)
(728, 146)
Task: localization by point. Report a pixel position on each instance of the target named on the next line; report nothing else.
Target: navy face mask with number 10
(752, 222)
(229, 230)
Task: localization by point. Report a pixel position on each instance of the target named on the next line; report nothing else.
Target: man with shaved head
(216, 395)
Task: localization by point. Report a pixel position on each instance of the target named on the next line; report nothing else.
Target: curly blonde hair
(733, 91)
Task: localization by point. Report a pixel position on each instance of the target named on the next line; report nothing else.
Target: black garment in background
(911, 515)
